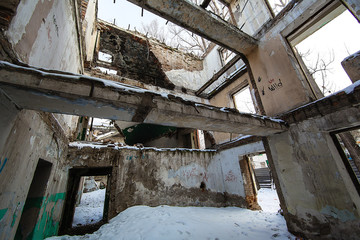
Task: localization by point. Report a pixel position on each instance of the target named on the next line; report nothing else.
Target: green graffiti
(14, 219)
(3, 212)
(46, 225)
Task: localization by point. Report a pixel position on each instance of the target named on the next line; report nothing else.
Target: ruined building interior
(174, 134)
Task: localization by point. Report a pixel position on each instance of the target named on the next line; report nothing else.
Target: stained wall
(176, 177)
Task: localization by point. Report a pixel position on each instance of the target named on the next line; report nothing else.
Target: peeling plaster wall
(324, 201)
(89, 30)
(43, 34)
(195, 79)
(275, 68)
(30, 139)
(172, 177)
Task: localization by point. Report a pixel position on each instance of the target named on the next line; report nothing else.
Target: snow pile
(90, 209)
(165, 222)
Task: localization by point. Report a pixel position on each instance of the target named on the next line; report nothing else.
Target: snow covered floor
(268, 200)
(90, 209)
(167, 223)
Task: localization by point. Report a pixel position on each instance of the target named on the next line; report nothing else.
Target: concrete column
(351, 65)
(320, 198)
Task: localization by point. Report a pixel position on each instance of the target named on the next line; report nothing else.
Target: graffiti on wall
(2, 164)
(134, 157)
(230, 177)
(274, 85)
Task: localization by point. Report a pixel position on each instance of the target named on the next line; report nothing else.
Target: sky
(340, 38)
(125, 13)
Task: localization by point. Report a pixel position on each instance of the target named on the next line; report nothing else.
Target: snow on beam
(61, 92)
(199, 21)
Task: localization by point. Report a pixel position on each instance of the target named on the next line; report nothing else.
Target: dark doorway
(72, 198)
(34, 200)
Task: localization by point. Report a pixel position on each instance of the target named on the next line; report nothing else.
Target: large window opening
(277, 5)
(322, 44)
(34, 201)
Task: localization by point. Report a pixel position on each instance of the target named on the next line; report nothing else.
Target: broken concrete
(82, 95)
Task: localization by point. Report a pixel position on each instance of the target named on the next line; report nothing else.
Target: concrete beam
(354, 7)
(199, 21)
(66, 93)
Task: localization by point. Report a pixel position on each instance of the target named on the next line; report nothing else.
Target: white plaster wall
(55, 44)
(89, 26)
(61, 50)
(203, 168)
(230, 167)
(44, 34)
(195, 79)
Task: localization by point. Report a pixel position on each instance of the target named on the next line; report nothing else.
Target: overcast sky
(125, 13)
(342, 37)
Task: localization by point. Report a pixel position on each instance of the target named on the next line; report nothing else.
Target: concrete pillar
(351, 65)
(316, 192)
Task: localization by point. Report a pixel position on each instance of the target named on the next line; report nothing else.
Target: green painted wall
(46, 225)
(144, 132)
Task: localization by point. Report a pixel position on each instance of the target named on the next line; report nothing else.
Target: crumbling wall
(42, 34)
(173, 177)
(325, 202)
(131, 57)
(33, 136)
(137, 57)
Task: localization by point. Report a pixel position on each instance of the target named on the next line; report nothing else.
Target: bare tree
(154, 30)
(319, 70)
(278, 5)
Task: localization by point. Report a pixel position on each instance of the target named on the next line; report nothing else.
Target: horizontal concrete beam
(199, 21)
(61, 92)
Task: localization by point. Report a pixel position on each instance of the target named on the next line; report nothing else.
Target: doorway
(71, 223)
(34, 201)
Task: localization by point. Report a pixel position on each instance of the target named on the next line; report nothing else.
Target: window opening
(278, 5)
(323, 44)
(105, 57)
(89, 206)
(226, 55)
(243, 101)
(349, 147)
